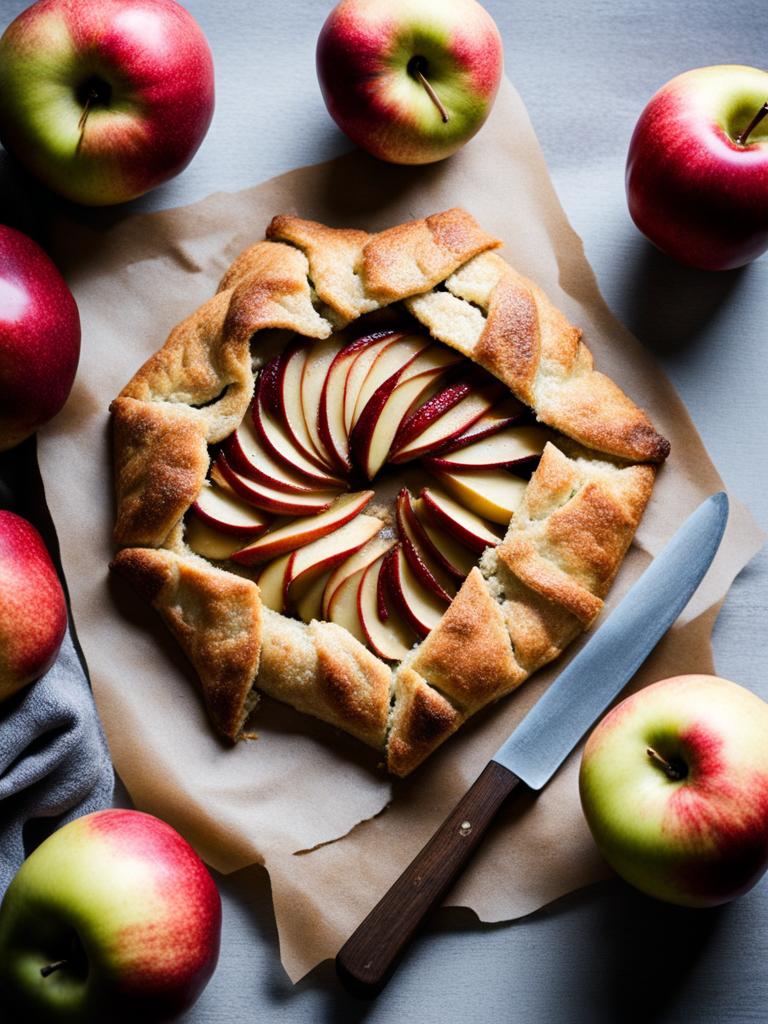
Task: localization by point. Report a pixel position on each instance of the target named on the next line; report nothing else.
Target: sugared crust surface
(529, 597)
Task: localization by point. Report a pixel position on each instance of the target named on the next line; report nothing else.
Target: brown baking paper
(304, 800)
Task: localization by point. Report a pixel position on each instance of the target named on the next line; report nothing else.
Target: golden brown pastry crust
(530, 596)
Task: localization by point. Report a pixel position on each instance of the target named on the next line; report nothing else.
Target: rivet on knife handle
(368, 957)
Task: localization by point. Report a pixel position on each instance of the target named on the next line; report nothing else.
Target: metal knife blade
(598, 673)
(538, 745)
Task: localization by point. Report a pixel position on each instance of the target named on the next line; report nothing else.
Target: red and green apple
(674, 786)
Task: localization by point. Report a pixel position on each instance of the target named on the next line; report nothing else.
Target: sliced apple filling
(326, 414)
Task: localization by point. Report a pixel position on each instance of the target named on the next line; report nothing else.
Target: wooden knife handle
(369, 956)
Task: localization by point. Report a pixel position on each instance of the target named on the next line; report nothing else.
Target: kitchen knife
(538, 746)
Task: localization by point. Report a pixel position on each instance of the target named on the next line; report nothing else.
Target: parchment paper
(305, 800)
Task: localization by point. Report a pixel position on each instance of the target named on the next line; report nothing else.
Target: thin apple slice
(492, 493)
(224, 511)
(313, 379)
(393, 639)
(343, 609)
(501, 415)
(270, 499)
(209, 542)
(358, 371)
(429, 573)
(391, 360)
(310, 605)
(455, 558)
(331, 419)
(298, 532)
(419, 606)
(309, 561)
(279, 442)
(375, 430)
(359, 560)
(430, 431)
(271, 583)
(247, 454)
(509, 447)
(469, 529)
(289, 377)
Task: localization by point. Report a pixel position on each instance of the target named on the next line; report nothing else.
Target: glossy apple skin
(145, 910)
(363, 53)
(695, 192)
(39, 338)
(33, 612)
(696, 841)
(155, 62)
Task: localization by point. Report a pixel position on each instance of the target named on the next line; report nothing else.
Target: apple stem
(669, 769)
(92, 97)
(742, 139)
(432, 94)
(50, 968)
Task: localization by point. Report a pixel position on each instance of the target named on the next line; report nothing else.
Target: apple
(418, 554)
(446, 415)
(33, 611)
(276, 435)
(273, 499)
(104, 99)
(39, 338)
(697, 169)
(500, 416)
(310, 560)
(455, 558)
(493, 494)
(113, 917)
(247, 453)
(421, 606)
(390, 361)
(462, 523)
(409, 80)
(356, 563)
(224, 511)
(389, 638)
(674, 786)
(358, 371)
(211, 541)
(515, 446)
(299, 532)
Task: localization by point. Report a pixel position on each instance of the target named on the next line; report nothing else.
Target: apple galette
(378, 478)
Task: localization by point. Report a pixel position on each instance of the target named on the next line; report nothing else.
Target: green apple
(114, 917)
(674, 786)
(409, 80)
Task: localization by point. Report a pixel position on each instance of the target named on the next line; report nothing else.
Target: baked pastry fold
(525, 601)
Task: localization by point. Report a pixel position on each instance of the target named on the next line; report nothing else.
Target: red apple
(33, 612)
(105, 99)
(39, 338)
(409, 80)
(697, 170)
(674, 785)
(113, 918)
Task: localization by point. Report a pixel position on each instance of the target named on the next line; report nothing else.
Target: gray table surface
(585, 69)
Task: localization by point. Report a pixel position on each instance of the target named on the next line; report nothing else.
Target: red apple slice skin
(398, 569)
(291, 413)
(391, 642)
(358, 371)
(391, 361)
(431, 410)
(267, 427)
(500, 416)
(251, 523)
(454, 420)
(365, 528)
(334, 434)
(418, 558)
(497, 452)
(269, 500)
(374, 549)
(248, 455)
(313, 380)
(436, 511)
(299, 532)
(437, 543)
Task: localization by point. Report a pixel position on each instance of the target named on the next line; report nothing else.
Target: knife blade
(539, 744)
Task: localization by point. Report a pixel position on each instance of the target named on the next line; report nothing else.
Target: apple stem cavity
(416, 67)
(93, 92)
(52, 968)
(742, 138)
(674, 769)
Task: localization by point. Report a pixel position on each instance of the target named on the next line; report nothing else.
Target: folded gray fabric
(54, 763)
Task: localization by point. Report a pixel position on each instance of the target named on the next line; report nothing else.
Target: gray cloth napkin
(54, 762)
